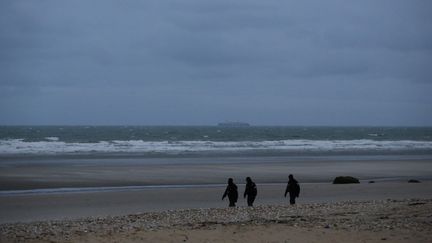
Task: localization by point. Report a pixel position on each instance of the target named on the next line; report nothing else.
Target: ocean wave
(53, 146)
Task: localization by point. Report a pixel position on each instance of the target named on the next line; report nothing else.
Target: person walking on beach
(231, 192)
(293, 188)
(250, 191)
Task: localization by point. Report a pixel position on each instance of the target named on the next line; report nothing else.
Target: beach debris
(345, 180)
(371, 181)
(415, 203)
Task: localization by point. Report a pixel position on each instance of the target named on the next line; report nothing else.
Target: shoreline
(348, 221)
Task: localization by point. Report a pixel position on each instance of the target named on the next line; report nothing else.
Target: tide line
(101, 189)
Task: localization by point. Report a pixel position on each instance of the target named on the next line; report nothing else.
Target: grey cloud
(195, 61)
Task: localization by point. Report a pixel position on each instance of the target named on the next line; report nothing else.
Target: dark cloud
(192, 62)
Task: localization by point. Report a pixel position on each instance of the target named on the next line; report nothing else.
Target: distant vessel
(234, 124)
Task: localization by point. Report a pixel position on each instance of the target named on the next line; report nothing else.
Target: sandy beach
(55, 206)
(64, 188)
(175, 200)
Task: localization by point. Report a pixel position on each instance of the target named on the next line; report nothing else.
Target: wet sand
(207, 177)
(28, 173)
(50, 206)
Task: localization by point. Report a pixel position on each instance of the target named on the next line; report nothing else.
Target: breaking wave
(54, 146)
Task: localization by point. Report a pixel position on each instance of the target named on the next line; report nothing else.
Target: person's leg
(250, 201)
(232, 203)
(292, 199)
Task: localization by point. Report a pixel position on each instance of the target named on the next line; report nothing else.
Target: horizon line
(206, 125)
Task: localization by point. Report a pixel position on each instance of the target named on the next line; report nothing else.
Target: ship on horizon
(234, 124)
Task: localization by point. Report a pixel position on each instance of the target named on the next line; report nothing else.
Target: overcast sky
(194, 62)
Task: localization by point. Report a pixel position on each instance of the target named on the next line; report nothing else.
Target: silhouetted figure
(231, 192)
(293, 188)
(250, 191)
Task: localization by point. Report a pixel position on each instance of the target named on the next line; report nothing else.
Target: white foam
(53, 146)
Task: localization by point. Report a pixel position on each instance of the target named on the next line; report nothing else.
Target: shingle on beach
(414, 215)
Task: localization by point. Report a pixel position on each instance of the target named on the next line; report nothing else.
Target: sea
(160, 141)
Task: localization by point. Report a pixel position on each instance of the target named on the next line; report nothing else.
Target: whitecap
(52, 138)
(54, 146)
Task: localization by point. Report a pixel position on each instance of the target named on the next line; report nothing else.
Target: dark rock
(371, 181)
(345, 180)
(413, 181)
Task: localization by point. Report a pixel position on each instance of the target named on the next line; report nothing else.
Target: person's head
(248, 179)
(290, 177)
(230, 181)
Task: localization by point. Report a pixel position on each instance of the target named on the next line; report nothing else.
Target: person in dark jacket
(293, 188)
(250, 191)
(231, 192)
